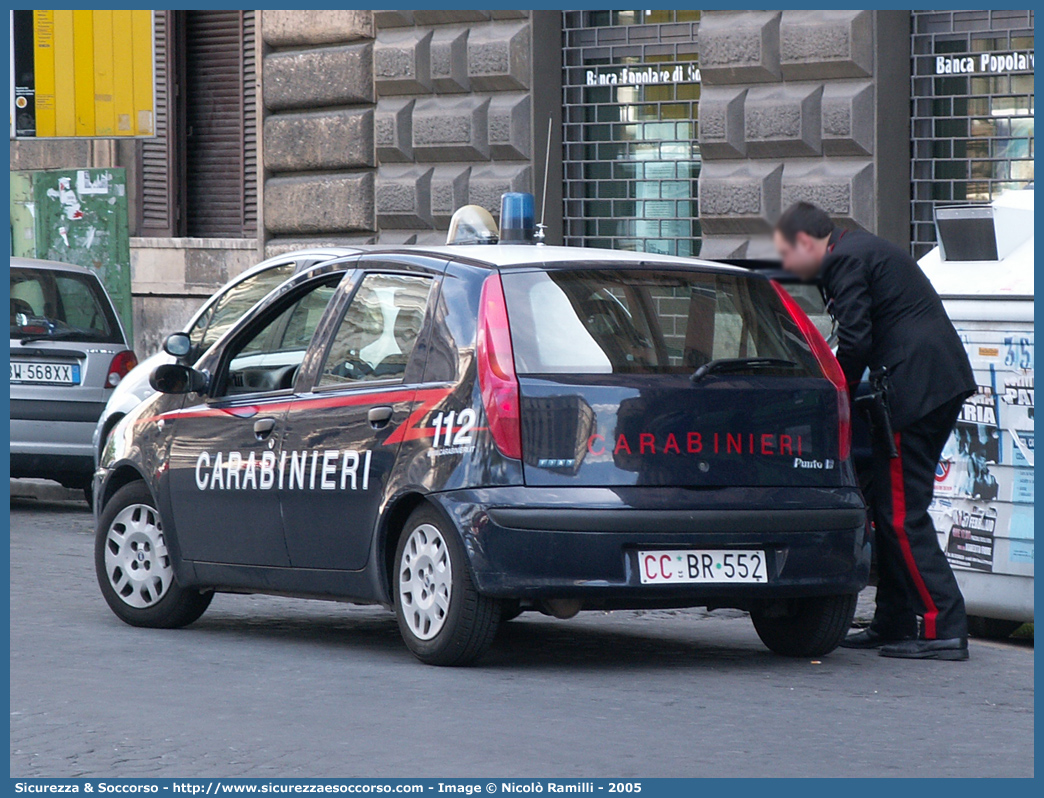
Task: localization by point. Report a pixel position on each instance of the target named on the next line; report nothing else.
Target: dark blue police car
(465, 433)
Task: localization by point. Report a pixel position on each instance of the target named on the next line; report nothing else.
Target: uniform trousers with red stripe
(914, 577)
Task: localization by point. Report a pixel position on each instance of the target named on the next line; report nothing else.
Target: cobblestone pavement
(268, 687)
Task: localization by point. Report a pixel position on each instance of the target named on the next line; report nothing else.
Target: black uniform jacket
(888, 314)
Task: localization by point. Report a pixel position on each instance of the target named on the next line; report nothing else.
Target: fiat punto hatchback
(68, 352)
(466, 433)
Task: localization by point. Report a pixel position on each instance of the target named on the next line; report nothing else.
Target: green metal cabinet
(76, 216)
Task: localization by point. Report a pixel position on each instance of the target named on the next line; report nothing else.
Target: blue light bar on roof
(517, 225)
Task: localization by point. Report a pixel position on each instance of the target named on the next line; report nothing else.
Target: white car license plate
(49, 373)
(688, 566)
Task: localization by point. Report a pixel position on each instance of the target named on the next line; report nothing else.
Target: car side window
(378, 331)
(268, 359)
(236, 301)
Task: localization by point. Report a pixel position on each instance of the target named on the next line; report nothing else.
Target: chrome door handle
(379, 416)
(263, 428)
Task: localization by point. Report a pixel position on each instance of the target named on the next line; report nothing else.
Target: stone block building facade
(802, 105)
(318, 151)
(671, 131)
(463, 102)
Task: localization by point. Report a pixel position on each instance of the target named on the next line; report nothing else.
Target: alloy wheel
(136, 559)
(425, 581)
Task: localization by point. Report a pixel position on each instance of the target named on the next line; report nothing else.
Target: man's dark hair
(804, 217)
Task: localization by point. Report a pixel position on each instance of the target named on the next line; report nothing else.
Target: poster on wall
(971, 539)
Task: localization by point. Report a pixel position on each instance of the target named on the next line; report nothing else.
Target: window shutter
(220, 117)
(249, 125)
(158, 167)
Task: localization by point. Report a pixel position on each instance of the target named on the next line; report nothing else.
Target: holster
(874, 407)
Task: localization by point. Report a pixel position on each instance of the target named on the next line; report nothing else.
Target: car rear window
(640, 321)
(69, 306)
(810, 299)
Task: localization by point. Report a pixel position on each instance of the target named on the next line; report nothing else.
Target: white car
(208, 324)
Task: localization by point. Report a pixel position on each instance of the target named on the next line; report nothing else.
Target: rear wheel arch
(393, 524)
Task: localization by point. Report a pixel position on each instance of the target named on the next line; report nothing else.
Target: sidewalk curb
(44, 490)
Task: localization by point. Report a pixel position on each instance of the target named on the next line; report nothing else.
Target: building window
(631, 87)
(972, 111)
(198, 176)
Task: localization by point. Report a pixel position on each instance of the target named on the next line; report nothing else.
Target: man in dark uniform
(888, 315)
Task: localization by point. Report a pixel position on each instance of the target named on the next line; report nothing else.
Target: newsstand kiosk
(983, 504)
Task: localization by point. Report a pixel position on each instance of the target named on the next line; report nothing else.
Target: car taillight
(120, 367)
(828, 363)
(496, 370)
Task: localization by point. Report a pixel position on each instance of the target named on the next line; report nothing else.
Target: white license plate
(48, 373)
(709, 566)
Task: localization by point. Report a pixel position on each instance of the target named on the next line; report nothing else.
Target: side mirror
(177, 344)
(176, 378)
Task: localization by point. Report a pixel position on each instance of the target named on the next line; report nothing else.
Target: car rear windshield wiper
(87, 335)
(741, 364)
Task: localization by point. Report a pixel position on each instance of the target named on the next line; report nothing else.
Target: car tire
(442, 617)
(134, 568)
(991, 628)
(811, 628)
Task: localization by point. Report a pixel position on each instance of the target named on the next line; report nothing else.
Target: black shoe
(868, 638)
(956, 648)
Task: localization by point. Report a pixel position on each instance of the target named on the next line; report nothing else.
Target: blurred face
(803, 257)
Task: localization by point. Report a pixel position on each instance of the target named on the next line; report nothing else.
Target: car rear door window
(379, 330)
(639, 321)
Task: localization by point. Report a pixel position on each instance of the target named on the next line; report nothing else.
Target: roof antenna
(543, 200)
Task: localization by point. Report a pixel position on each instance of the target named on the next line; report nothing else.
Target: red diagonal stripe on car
(408, 430)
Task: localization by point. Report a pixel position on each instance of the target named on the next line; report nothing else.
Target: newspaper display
(983, 505)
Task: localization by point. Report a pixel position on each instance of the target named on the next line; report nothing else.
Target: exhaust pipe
(562, 609)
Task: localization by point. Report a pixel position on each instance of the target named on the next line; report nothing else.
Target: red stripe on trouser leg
(899, 523)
